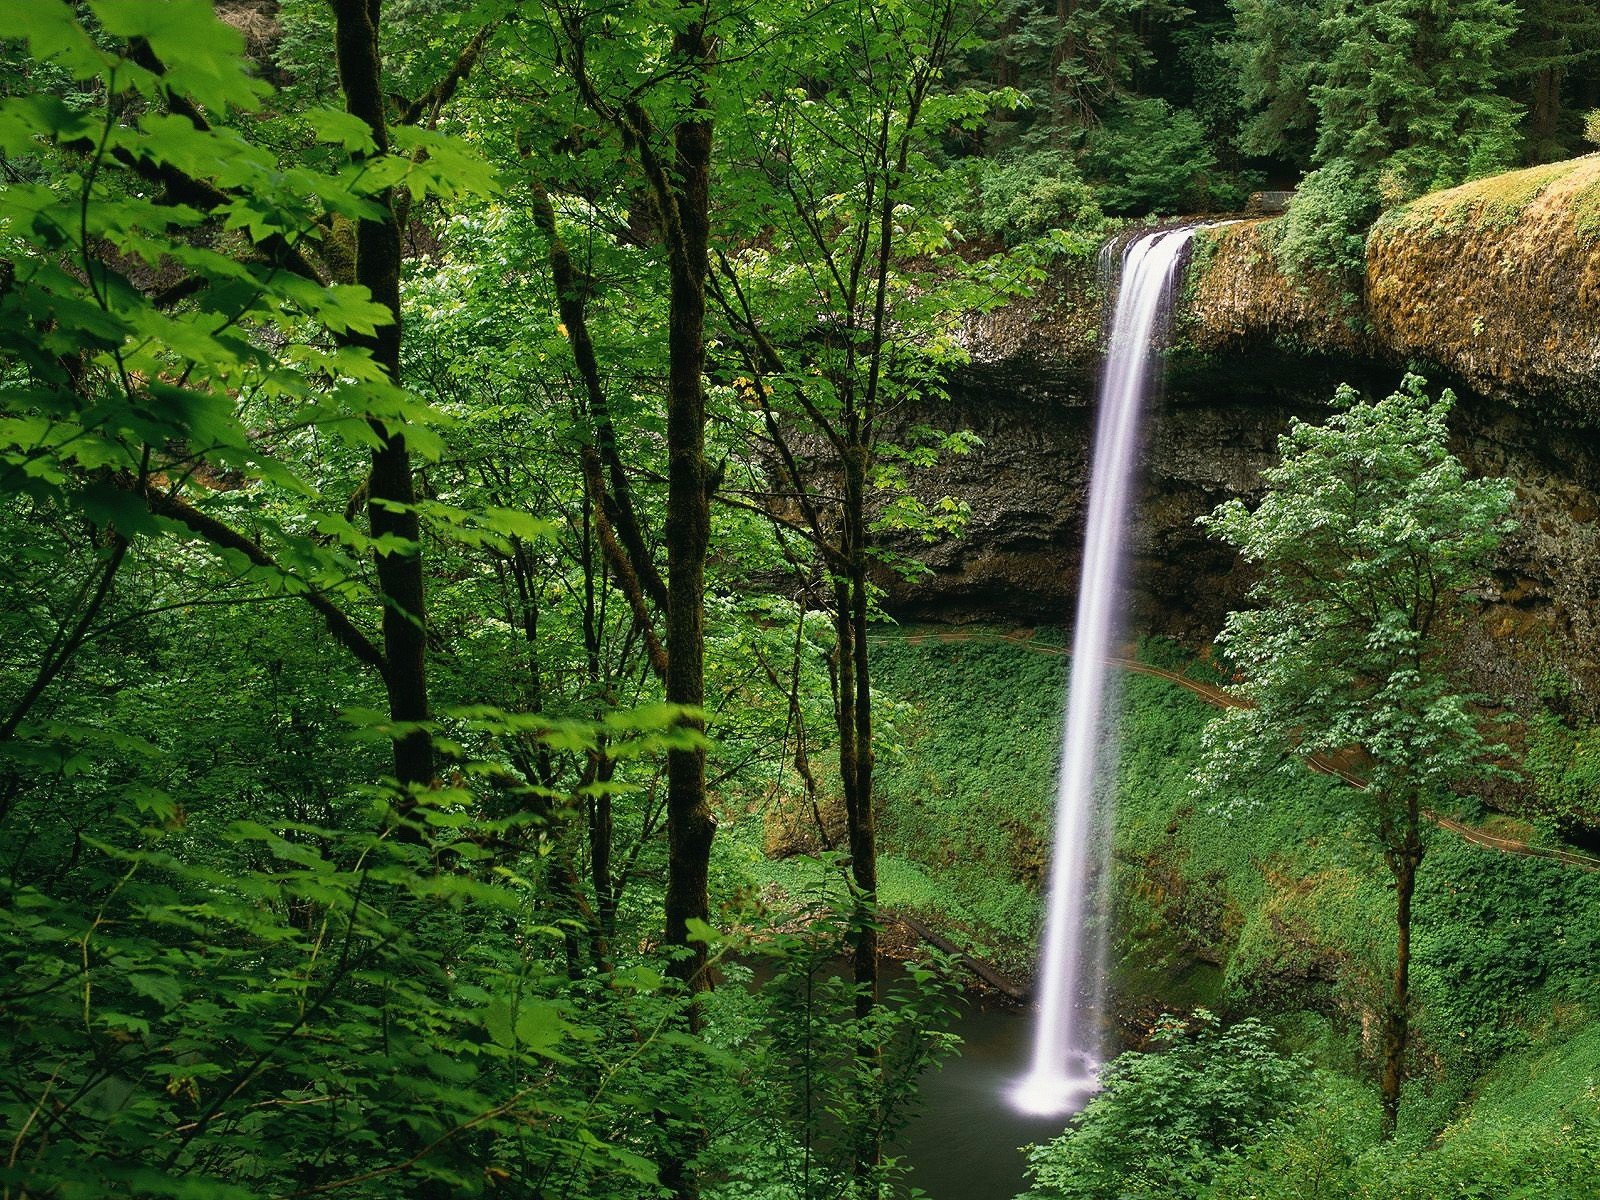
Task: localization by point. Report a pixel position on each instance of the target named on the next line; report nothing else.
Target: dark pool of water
(964, 1143)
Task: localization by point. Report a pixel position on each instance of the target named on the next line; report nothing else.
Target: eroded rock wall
(1250, 351)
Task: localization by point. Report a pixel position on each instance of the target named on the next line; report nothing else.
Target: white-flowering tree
(1369, 542)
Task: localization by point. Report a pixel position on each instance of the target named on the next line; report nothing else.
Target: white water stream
(1071, 987)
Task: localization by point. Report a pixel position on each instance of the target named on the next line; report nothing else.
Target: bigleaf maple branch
(225, 537)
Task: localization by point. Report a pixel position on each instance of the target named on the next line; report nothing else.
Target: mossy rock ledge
(1494, 286)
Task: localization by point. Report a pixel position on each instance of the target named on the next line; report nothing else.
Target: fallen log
(977, 966)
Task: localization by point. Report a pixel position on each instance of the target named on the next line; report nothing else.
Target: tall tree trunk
(856, 761)
(1544, 113)
(690, 827)
(391, 489)
(689, 823)
(1005, 67)
(1403, 863)
(855, 721)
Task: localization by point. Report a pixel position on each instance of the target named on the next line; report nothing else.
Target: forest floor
(1219, 697)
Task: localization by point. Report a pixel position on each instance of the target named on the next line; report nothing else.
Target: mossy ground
(1567, 191)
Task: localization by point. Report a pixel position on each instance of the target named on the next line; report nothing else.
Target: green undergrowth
(967, 781)
(1266, 904)
(1263, 903)
(1529, 1131)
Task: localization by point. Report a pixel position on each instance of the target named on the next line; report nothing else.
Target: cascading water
(1066, 1054)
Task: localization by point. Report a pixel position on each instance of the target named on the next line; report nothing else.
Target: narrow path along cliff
(1221, 698)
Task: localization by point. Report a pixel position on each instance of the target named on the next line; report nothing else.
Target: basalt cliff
(1492, 289)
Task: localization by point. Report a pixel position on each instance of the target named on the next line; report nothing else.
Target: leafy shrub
(807, 1097)
(1164, 1120)
(1149, 158)
(1564, 765)
(1026, 194)
(1325, 230)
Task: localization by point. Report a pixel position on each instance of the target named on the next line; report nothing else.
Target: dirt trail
(1215, 695)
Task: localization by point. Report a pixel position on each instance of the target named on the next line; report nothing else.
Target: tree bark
(689, 823)
(1403, 863)
(391, 490)
(856, 758)
(1544, 114)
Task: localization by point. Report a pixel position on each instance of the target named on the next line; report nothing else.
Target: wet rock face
(1494, 287)
(1542, 613)
(1028, 489)
(1209, 440)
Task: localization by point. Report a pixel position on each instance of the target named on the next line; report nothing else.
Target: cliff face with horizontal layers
(1492, 289)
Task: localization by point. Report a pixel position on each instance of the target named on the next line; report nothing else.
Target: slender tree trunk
(856, 761)
(857, 772)
(1403, 863)
(601, 842)
(690, 827)
(391, 489)
(689, 823)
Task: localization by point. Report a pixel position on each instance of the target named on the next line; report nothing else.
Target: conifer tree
(1409, 88)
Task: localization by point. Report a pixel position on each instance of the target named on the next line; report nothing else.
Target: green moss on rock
(1498, 282)
(1238, 294)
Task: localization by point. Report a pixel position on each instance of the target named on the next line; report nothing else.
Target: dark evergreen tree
(1555, 41)
(1409, 89)
(1275, 50)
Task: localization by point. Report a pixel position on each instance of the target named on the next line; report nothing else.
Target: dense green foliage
(1367, 541)
(1164, 1116)
(1366, 544)
(259, 532)
(1188, 107)
(400, 404)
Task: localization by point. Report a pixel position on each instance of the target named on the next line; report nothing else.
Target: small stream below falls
(963, 1143)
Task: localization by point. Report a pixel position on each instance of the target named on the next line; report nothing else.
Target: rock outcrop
(1498, 283)
(1493, 289)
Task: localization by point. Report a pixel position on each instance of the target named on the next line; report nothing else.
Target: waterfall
(1066, 1053)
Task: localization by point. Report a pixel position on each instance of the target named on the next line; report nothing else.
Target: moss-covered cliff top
(1498, 281)
(1494, 285)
